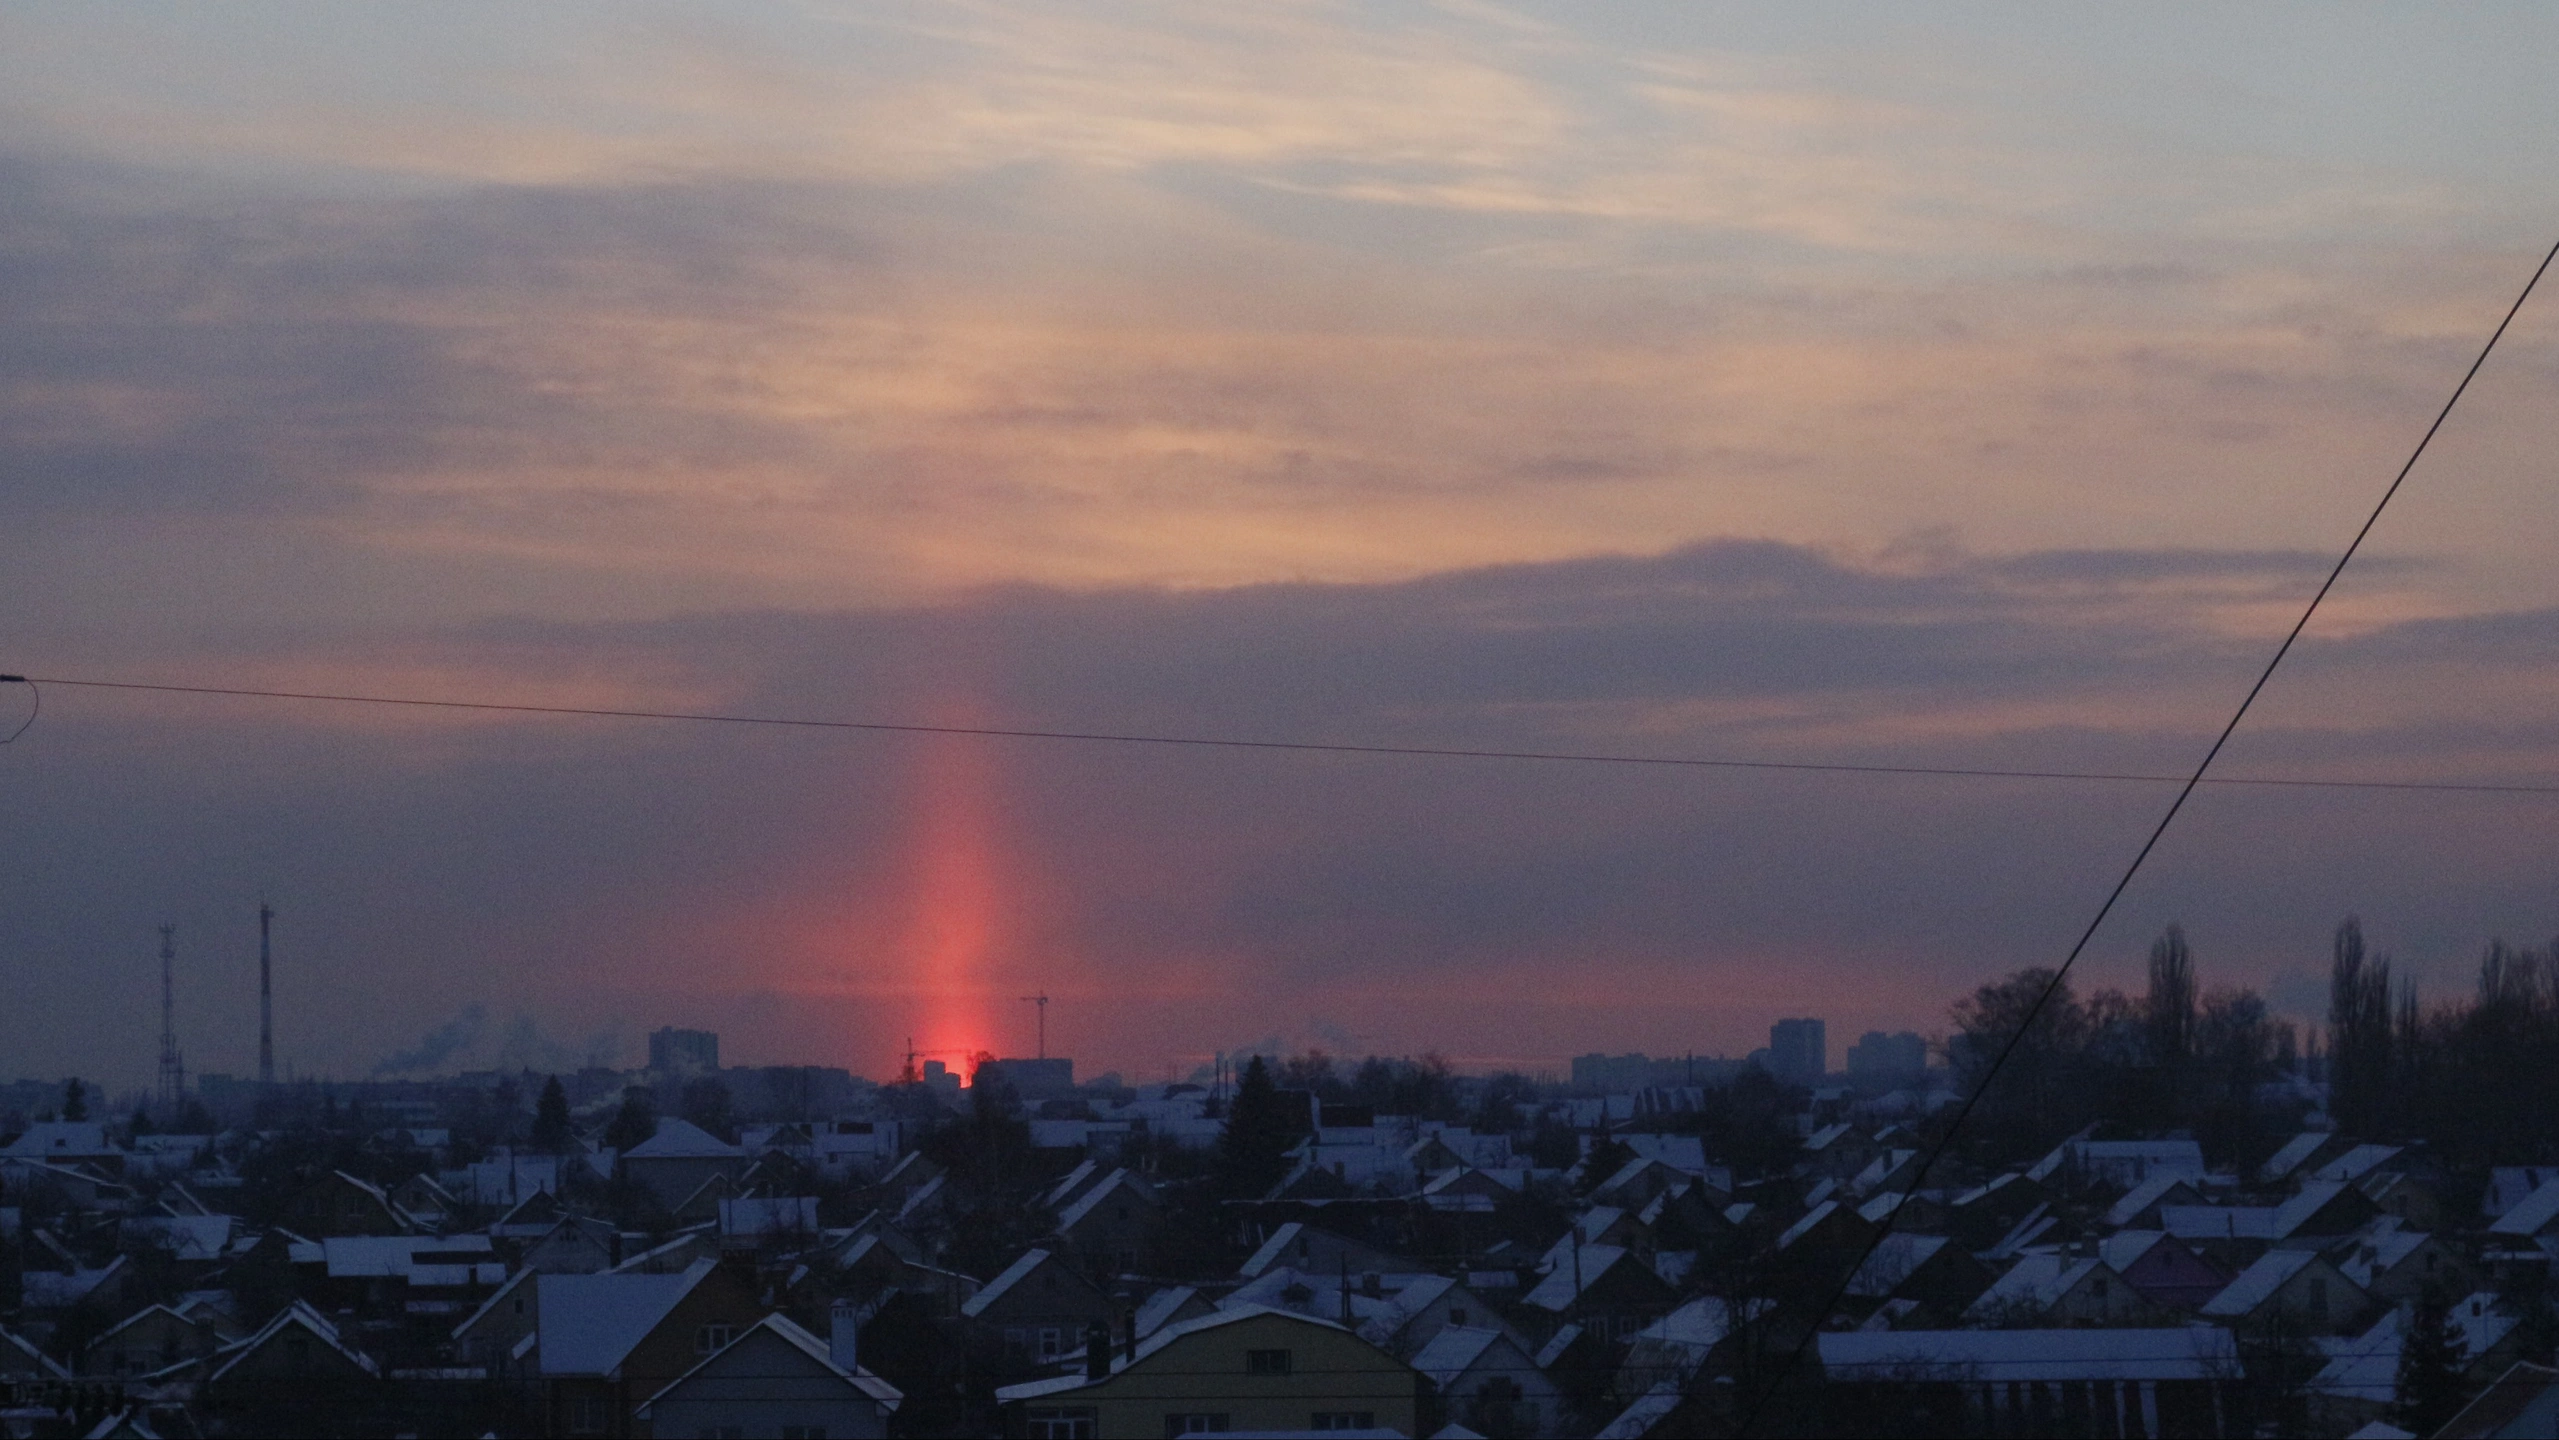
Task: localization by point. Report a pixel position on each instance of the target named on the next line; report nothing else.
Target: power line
(1216, 742)
(2035, 1011)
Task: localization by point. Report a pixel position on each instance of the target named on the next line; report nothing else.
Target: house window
(1342, 1420)
(1268, 1362)
(1456, 1317)
(803, 1432)
(1074, 1422)
(1052, 1342)
(1176, 1426)
(586, 1415)
(713, 1338)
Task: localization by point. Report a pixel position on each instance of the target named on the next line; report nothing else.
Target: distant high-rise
(1899, 1057)
(684, 1052)
(266, 995)
(173, 1071)
(1798, 1051)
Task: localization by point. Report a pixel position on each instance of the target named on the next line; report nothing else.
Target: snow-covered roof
(682, 1140)
(298, 1315)
(1556, 1344)
(2144, 1195)
(2024, 1356)
(2294, 1153)
(590, 1322)
(1804, 1227)
(1637, 1420)
(2356, 1163)
(1036, 1389)
(61, 1140)
(1892, 1261)
(2035, 1282)
(2218, 1222)
(1557, 1291)
(1086, 1203)
(2258, 1283)
(2121, 1249)
(1453, 1351)
(1701, 1323)
(2309, 1200)
(29, 1355)
(784, 1329)
(1011, 1276)
(2530, 1215)
(1160, 1307)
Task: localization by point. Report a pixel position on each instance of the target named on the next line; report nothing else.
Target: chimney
(843, 1333)
(1097, 1351)
(1131, 1350)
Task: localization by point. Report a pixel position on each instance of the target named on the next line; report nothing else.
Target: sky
(1983, 386)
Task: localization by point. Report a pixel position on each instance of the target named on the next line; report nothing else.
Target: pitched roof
(1557, 1292)
(2306, 1203)
(2356, 1163)
(2530, 1215)
(2293, 1154)
(2035, 1282)
(1162, 1306)
(682, 1140)
(2021, 1356)
(1452, 1351)
(1091, 1200)
(1649, 1410)
(2146, 1194)
(298, 1315)
(1893, 1260)
(784, 1329)
(2503, 1402)
(1037, 1389)
(590, 1322)
(28, 1355)
(1012, 1275)
(2125, 1247)
(2258, 1283)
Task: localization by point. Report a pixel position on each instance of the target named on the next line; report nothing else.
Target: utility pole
(173, 1071)
(266, 994)
(1042, 1002)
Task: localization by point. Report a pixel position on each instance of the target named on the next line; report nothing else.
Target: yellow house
(1249, 1368)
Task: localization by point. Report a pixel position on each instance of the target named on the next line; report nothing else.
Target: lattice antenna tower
(173, 1071)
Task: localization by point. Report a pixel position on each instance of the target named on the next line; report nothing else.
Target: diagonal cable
(1225, 742)
(2035, 1012)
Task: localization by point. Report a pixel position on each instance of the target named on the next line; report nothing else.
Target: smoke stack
(1097, 1351)
(843, 1332)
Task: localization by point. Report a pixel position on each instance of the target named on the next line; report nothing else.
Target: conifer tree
(551, 1134)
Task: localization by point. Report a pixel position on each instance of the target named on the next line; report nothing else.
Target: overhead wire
(2043, 998)
(1219, 742)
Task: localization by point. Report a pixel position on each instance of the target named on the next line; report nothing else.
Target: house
(67, 1142)
(2296, 1288)
(602, 1344)
(2534, 1217)
(776, 1378)
(1039, 1307)
(1250, 1369)
(1317, 1252)
(575, 1245)
(153, 1338)
(674, 1164)
(2163, 1269)
(295, 1376)
(2140, 1205)
(1930, 1269)
(2523, 1401)
(423, 1200)
(1488, 1383)
(2509, 1184)
(767, 1219)
(1983, 1382)
(529, 1218)
(2301, 1154)
(2398, 1266)
(1168, 1306)
(498, 1336)
(21, 1361)
(340, 1204)
(1606, 1289)
(1634, 1184)
(2058, 1290)
(1111, 1223)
